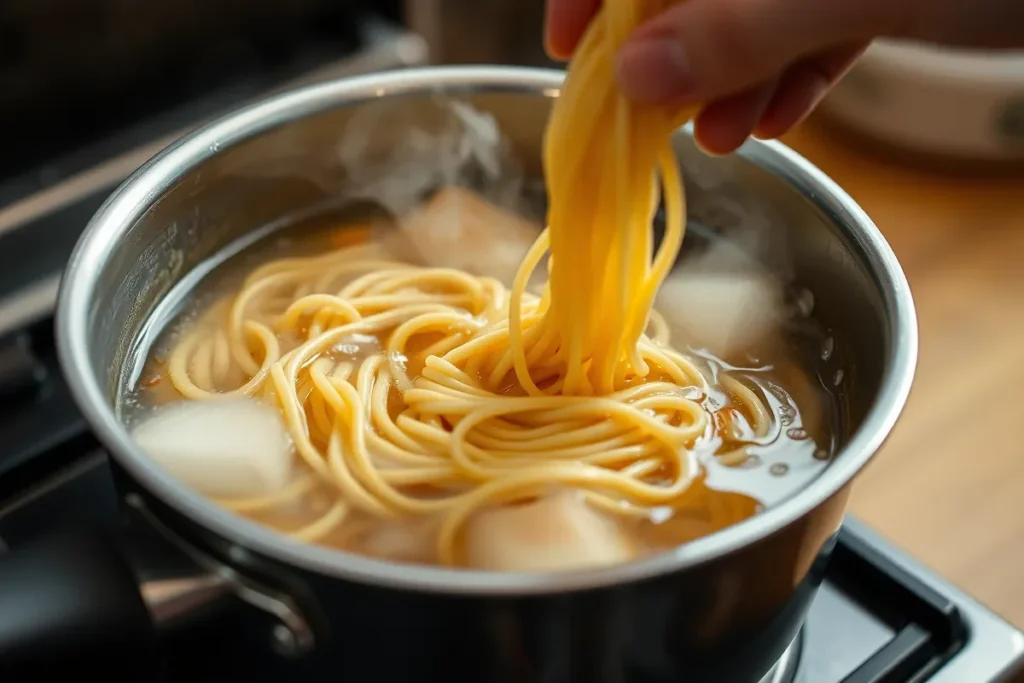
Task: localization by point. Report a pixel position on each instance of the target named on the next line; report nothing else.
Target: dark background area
(71, 71)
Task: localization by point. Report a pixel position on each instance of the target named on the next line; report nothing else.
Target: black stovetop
(879, 618)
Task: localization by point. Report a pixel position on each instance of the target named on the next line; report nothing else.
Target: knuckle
(724, 47)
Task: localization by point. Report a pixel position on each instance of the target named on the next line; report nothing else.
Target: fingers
(565, 23)
(802, 88)
(723, 125)
(772, 108)
(701, 50)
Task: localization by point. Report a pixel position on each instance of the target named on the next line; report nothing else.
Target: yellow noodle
(512, 392)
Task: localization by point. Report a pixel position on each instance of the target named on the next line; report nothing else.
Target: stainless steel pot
(722, 608)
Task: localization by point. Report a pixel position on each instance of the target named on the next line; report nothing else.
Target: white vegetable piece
(458, 229)
(725, 303)
(558, 533)
(224, 449)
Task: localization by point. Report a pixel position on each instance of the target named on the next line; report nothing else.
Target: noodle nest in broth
(396, 385)
(430, 393)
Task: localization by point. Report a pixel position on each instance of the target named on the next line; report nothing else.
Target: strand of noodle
(296, 489)
(323, 526)
(761, 418)
(178, 366)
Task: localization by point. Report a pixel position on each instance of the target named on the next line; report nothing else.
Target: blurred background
(931, 143)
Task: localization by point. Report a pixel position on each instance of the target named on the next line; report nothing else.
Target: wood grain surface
(949, 485)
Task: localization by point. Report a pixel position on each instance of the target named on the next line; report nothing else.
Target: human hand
(761, 66)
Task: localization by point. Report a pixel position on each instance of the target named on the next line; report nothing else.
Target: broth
(783, 376)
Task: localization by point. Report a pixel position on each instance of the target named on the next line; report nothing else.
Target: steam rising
(457, 193)
(397, 156)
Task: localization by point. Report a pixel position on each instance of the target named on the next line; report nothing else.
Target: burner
(786, 668)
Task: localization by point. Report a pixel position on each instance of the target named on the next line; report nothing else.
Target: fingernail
(655, 70)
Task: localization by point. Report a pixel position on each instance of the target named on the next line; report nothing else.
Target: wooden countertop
(949, 484)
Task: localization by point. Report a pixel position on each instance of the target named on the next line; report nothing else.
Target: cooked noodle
(478, 395)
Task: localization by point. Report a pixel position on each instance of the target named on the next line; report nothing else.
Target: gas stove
(880, 617)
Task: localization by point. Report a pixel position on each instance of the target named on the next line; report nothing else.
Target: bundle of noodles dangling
(432, 397)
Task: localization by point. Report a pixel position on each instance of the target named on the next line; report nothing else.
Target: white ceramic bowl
(938, 101)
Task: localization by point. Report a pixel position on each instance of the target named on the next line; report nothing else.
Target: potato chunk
(556, 533)
(224, 449)
(458, 229)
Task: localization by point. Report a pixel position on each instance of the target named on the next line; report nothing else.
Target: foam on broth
(787, 377)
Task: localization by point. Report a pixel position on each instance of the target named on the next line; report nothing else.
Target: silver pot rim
(136, 194)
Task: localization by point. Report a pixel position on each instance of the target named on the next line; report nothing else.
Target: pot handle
(75, 601)
(71, 602)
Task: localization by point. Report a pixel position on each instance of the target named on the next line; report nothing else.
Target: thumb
(705, 49)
